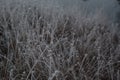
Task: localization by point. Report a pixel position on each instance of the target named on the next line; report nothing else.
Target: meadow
(40, 41)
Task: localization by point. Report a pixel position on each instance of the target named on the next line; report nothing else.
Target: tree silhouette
(85, 0)
(118, 1)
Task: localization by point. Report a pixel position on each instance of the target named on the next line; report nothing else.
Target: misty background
(108, 8)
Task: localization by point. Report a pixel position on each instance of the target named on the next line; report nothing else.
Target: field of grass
(42, 42)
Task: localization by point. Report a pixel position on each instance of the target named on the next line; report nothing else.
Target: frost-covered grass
(39, 42)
